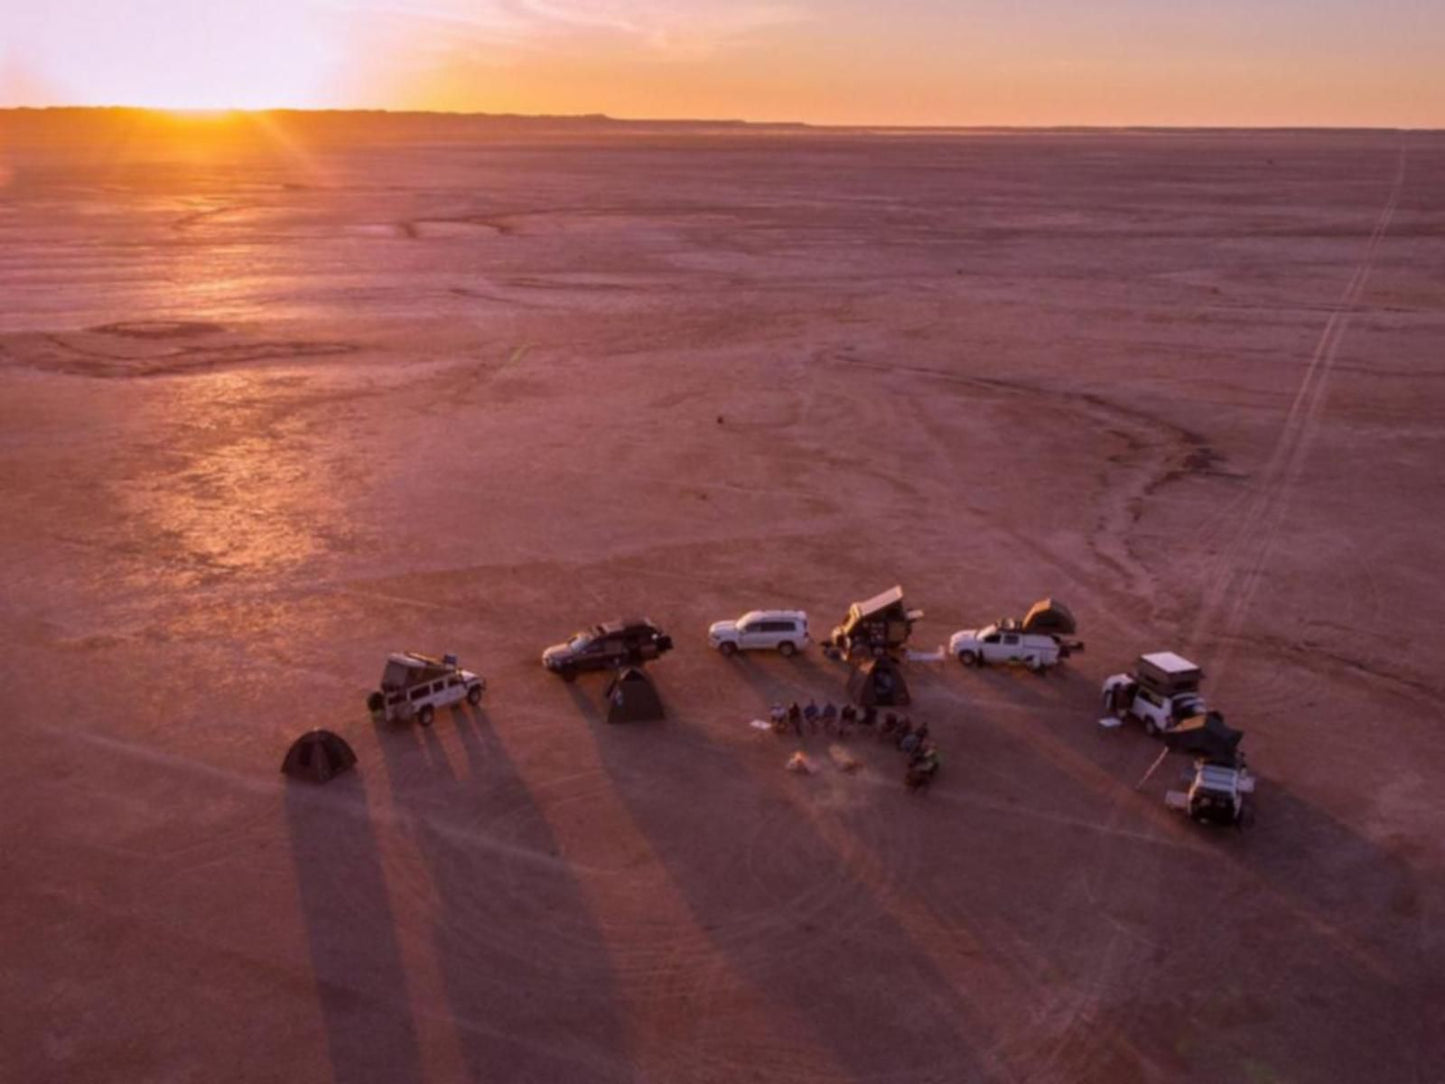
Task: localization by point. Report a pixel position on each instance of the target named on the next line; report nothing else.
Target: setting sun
(177, 56)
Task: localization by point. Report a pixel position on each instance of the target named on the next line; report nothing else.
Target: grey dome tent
(632, 698)
(878, 683)
(318, 755)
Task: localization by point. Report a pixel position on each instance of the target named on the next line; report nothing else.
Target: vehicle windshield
(581, 641)
(987, 631)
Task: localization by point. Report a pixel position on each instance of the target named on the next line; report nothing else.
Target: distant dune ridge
(30, 126)
(65, 124)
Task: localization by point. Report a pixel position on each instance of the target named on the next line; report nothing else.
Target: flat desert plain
(273, 406)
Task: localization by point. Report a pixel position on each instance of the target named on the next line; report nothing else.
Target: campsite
(270, 418)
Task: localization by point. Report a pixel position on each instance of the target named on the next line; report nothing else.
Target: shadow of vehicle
(790, 912)
(525, 974)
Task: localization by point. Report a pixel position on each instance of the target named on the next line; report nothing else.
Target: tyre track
(1229, 595)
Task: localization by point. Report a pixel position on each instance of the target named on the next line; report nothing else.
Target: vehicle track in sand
(1155, 453)
(1238, 571)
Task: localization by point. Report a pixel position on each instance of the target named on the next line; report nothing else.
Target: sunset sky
(969, 62)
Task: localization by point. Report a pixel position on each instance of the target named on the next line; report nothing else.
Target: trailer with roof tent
(876, 626)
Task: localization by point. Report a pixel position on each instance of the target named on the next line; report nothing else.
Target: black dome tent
(318, 755)
(632, 698)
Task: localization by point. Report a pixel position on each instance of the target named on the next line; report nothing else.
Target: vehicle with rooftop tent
(414, 685)
(1161, 692)
(1042, 639)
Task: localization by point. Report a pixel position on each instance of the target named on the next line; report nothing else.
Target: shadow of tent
(318, 755)
(878, 683)
(632, 698)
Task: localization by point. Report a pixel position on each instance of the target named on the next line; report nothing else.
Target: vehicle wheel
(727, 648)
(375, 702)
(426, 715)
(787, 649)
(474, 695)
(567, 673)
(1151, 728)
(968, 658)
(1032, 662)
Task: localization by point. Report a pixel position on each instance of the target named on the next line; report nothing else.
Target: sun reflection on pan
(242, 492)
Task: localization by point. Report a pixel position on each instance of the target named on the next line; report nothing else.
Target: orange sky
(1229, 62)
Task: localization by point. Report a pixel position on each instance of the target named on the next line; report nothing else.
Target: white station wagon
(783, 631)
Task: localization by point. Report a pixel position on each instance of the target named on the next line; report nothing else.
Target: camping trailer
(876, 626)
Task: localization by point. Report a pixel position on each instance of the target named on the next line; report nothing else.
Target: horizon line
(732, 122)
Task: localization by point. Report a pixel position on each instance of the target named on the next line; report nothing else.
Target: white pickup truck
(1002, 644)
(1042, 639)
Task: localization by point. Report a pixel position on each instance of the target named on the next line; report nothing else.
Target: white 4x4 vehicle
(783, 631)
(1161, 691)
(413, 686)
(1001, 644)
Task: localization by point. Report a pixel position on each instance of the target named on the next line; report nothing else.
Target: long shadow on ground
(527, 980)
(351, 933)
(792, 915)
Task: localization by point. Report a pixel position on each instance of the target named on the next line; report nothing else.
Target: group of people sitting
(912, 741)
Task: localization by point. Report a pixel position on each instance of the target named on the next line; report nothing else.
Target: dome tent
(632, 698)
(318, 755)
(878, 683)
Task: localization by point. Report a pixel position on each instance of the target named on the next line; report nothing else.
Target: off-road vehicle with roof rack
(1161, 692)
(413, 686)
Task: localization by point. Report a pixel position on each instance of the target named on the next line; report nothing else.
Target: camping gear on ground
(878, 683)
(938, 654)
(632, 698)
(800, 763)
(318, 755)
(922, 767)
(843, 760)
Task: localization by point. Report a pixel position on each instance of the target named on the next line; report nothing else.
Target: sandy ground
(270, 412)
